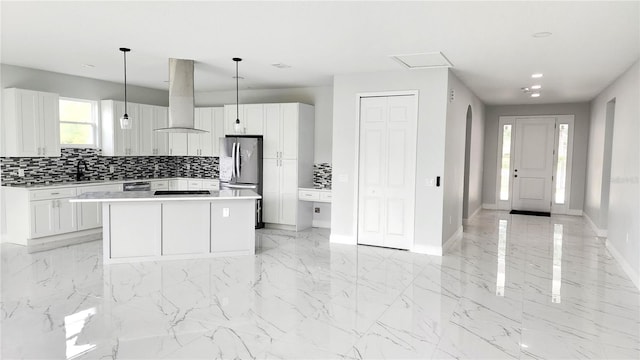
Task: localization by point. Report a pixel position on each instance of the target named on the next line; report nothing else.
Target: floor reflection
(502, 254)
(556, 283)
(73, 325)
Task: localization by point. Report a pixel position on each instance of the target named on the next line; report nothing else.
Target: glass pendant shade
(125, 122)
(237, 127)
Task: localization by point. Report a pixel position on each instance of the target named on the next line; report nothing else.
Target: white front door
(387, 163)
(533, 164)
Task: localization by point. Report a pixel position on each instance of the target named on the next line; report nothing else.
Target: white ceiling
(489, 43)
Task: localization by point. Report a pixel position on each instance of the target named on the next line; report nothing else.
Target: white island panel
(137, 228)
(232, 226)
(185, 228)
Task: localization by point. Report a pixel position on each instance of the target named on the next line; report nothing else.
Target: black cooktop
(182, 192)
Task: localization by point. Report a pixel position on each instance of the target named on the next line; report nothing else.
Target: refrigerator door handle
(233, 160)
(238, 160)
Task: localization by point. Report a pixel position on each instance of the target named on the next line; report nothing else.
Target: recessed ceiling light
(536, 76)
(88, 65)
(536, 87)
(541, 34)
(535, 95)
(281, 66)
(525, 90)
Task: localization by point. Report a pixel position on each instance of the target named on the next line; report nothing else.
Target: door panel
(387, 171)
(253, 118)
(161, 138)
(66, 216)
(28, 108)
(289, 191)
(533, 164)
(289, 131)
(50, 117)
(250, 158)
(42, 218)
(147, 135)
(271, 191)
(272, 131)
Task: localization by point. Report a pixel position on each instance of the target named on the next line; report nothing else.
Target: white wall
(623, 229)
(453, 180)
(78, 87)
(320, 97)
(580, 142)
(432, 108)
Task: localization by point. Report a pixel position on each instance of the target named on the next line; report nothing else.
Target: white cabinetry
(52, 213)
(207, 144)
(116, 141)
(89, 215)
(153, 142)
(288, 163)
(30, 123)
(160, 185)
(251, 119)
(178, 144)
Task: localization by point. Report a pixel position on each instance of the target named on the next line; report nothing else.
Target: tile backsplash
(40, 170)
(322, 176)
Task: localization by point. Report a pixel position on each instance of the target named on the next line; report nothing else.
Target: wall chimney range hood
(181, 98)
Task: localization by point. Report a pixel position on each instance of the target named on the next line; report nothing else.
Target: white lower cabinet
(90, 214)
(232, 229)
(178, 184)
(280, 191)
(160, 185)
(52, 217)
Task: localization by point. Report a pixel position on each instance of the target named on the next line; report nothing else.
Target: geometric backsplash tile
(40, 170)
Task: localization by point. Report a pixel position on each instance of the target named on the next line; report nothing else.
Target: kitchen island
(140, 226)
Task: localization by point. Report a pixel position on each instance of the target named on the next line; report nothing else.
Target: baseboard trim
(58, 241)
(633, 275)
(490, 206)
(427, 250)
(466, 221)
(321, 224)
(342, 239)
(599, 232)
(446, 247)
(574, 212)
(280, 227)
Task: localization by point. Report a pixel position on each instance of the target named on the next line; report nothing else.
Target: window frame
(95, 124)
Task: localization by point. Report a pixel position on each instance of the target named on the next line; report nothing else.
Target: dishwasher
(137, 186)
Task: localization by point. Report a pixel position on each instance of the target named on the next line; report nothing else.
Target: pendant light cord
(125, 82)
(237, 95)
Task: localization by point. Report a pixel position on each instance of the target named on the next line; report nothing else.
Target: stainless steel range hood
(181, 99)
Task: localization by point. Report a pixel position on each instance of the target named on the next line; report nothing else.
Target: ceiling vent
(423, 60)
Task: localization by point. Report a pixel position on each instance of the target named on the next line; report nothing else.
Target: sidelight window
(561, 169)
(505, 162)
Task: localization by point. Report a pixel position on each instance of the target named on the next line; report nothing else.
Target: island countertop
(133, 196)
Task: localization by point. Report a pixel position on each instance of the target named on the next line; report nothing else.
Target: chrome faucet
(79, 172)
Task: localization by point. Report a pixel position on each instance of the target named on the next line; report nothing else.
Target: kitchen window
(78, 123)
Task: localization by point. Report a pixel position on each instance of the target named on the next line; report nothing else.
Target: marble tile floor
(515, 287)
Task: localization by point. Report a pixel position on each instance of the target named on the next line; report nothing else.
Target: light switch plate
(430, 182)
(21, 172)
(225, 212)
(112, 169)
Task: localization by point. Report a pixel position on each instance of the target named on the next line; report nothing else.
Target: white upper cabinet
(251, 119)
(153, 142)
(210, 119)
(30, 123)
(116, 141)
(281, 131)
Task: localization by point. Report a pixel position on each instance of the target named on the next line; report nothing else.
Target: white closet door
(387, 171)
(271, 191)
(533, 164)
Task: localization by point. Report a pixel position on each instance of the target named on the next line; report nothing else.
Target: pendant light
(125, 122)
(237, 127)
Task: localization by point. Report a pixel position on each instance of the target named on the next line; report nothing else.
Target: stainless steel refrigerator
(241, 166)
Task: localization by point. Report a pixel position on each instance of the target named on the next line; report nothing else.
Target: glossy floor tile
(515, 287)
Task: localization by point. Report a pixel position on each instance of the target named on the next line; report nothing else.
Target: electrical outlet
(316, 210)
(21, 172)
(225, 212)
(431, 182)
(112, 169)
(157, 167)
(188, 166)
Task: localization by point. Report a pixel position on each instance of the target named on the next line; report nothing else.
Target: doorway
(386, 169)
(534, 163)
